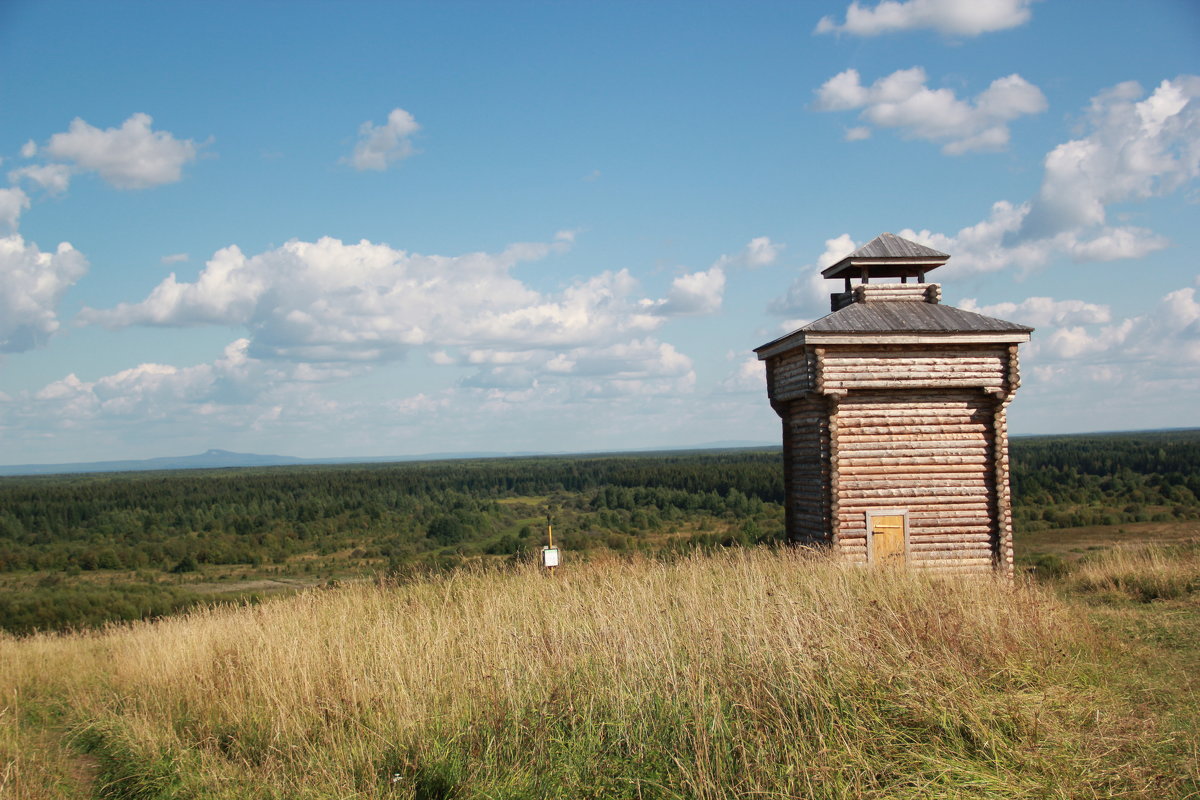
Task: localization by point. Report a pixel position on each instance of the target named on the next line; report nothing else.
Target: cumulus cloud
(749, 376)
(635, 367)
(234, 392)
(53, 178)
(31, 285)
(948, 17)
(1041, 312)
(903, 101)
(809, 292)
(695, 293)
(133, 156)
(759, 252)
(997, 243)
(1136, 149)
(331, 301)
(1133, 149)
(381, 146)
(702, 292)
(240, 395)
(1142, 355)
(12, 203)
(318, 311)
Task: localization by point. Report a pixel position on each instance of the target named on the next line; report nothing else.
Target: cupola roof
(887, 256)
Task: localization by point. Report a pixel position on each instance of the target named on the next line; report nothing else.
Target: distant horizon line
(219, 458)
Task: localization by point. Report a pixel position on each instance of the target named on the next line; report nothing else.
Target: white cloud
(903, 101)
(12, 203)
(635, 367)
(53, 178)
(809, 293)
(239, 395)
(702, 292)
(174, 258)
(750, 376)
(235, 387)
(858, 133)
(130, 157)
(320, 311)
(695, 293)
(233, 393)
(836, 249)
(31, 285)
(330, 301)
(1142, 357)
(1041, 312)
(1136, 149)
(381, 146)
(29, 149)
(1137, 371)
(948, 17)
(760, 252)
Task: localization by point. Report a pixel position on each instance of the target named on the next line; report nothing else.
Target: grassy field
(750, 673)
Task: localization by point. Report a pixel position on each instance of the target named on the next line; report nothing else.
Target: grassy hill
(80, 550)
(750, 673)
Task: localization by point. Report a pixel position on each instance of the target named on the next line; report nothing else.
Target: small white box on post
(549, 551)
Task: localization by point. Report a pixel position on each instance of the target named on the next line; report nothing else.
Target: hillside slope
(749, 674)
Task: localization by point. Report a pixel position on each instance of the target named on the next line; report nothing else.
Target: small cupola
(886, 256)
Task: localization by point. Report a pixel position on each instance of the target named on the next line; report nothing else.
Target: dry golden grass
(1141, 571)
(748, 674)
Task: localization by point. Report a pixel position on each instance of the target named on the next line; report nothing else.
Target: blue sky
(367, 229)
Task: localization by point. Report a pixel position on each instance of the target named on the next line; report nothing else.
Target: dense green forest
(1105, 479)
(82, 549)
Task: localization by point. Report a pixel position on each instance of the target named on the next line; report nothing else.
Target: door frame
(888, 512)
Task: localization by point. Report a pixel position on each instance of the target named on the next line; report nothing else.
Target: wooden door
(887, 538)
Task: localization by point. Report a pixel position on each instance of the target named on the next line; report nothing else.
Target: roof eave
(852, 267)
(802, 337)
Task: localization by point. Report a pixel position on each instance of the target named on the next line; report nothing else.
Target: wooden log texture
(908, 379)
(931, 454)
(900, 427)
(808, 466)
(972, 563)
(1003, 493)
(915, 366)
(901, 292)
(791, 374)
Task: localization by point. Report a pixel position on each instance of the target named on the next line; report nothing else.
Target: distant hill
(207, 460)
(224, 459)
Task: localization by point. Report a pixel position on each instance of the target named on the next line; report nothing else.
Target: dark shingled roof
(889, 245)
(909, 317)
(888, 256)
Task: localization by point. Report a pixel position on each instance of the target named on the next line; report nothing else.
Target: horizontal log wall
(885, 292)
(806, 470)
(791, 374)
(908, 367)
(931, 454)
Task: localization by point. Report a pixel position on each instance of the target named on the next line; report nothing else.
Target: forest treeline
(1105, 479)
(170, 520)
(56, 531)
(244, 516)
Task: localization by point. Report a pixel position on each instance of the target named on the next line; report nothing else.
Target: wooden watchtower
(895, 439)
